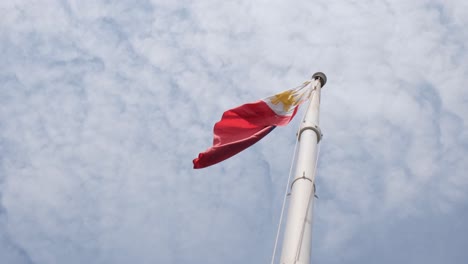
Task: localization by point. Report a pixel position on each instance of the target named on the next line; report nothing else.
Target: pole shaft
(298, 231)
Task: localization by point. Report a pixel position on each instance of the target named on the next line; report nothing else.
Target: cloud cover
(103, 105)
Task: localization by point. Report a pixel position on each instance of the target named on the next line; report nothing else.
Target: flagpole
(298, 231)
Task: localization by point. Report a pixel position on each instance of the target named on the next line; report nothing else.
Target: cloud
(103, 105)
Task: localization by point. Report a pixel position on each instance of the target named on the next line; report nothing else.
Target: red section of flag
(238, 129)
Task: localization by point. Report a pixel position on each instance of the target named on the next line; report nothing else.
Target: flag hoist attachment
(298, 227)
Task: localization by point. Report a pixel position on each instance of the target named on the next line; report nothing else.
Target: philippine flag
(243, 126)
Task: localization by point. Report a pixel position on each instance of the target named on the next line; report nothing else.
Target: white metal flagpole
(298, 231)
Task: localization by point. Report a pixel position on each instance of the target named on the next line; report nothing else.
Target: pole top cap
(321, 76)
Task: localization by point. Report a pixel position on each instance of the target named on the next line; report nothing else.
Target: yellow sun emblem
(287, 98)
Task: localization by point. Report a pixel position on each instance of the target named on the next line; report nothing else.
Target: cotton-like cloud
(103, 105)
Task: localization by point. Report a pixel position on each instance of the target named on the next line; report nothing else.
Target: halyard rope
(284, 203)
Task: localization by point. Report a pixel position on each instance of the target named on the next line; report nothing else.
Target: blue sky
(104, 104)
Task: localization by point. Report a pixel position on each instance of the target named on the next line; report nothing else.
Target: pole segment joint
(315, 128)
(303, 178)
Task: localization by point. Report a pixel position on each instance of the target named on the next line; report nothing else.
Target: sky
(104, 104)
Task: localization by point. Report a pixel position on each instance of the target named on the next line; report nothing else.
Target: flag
(243, 126)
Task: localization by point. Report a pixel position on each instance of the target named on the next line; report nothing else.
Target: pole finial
(321, 76)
